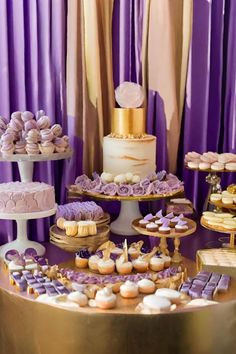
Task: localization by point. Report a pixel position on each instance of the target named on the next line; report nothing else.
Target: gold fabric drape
(166, 41)
(90, 89)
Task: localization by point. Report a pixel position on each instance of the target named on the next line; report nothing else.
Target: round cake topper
(129, 95)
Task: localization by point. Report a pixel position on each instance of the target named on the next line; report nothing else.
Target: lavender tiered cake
(26, 197)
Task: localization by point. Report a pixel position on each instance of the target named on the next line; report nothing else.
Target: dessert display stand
(26, 166)
(129, 209)
(176, 236)
(22, 242)
(214, 182)
(221, 230)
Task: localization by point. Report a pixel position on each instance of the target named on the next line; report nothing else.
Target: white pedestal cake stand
(26, 162)
(22, 242)
(129, 209)
(26, 168)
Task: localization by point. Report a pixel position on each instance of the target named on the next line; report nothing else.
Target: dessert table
(31, 327)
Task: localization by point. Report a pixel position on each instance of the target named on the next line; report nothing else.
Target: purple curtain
(127, 27)
(209, 118)
(32, 77)
(209, 121)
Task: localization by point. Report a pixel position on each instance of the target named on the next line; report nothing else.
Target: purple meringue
(30, 124)
(159, 214)
(3, 123)
(46, 135)
(27, 116)
(56, 129)
(39, 114)
(148, 217)
(43, 123)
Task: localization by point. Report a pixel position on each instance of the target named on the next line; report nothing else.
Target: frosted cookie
(105, 299)
(152, 227)
(106, 266)
(227, 201)
(79, 298)
(157, 264)
(217, 166)
(173, 295)
(193, 165)
(156, 303)
(93, 262)
(146, 286)
(140, 265)
(231, 166)
(204, 165)
(129, 290)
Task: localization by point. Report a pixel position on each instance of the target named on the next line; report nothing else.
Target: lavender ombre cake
(26, 197)
(80, 211)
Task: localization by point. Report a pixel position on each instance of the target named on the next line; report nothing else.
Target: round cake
(26, 197)
(128, 148)
(137, 156)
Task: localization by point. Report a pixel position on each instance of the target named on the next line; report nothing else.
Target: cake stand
(219, 205)
(129, 209)
(213, 180)
(26, 162)
(26, 166)
(222, 230)
(22, 242)
(176, 236)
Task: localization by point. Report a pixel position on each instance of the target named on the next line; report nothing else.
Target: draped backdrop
(67, 56)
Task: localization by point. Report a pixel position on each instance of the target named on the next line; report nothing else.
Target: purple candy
(31, 252)
(148, 217)
(11, 254)
(159, 214)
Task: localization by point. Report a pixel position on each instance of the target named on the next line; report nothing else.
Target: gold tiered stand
(222, 230)
(176, 258)
(129, 207)
(213, 180)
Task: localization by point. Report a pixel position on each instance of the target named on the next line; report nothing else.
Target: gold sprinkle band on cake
(128, 122)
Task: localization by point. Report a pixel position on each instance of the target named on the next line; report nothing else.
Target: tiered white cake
(128, 148)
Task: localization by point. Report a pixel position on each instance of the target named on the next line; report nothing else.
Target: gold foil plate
(173, 234)
(209, 170)
(221, 205)
(73, 243)
(205, 224)
(73, 192)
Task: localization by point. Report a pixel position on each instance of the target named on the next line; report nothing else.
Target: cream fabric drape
(90, 89)
(166, 41)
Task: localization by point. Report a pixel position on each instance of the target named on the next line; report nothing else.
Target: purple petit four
(149, 217)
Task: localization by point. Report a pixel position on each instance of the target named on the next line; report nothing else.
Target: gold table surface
(29, 327)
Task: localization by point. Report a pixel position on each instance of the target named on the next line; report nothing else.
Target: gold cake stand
(176, 258)
(129, 207)
(219, 205)
(232, 233)
(213, 180)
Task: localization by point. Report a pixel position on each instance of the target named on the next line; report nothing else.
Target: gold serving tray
(221, 205)
(173, 234)
(98, 196)
(73, 243)
(205, 224)
(209, 170)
